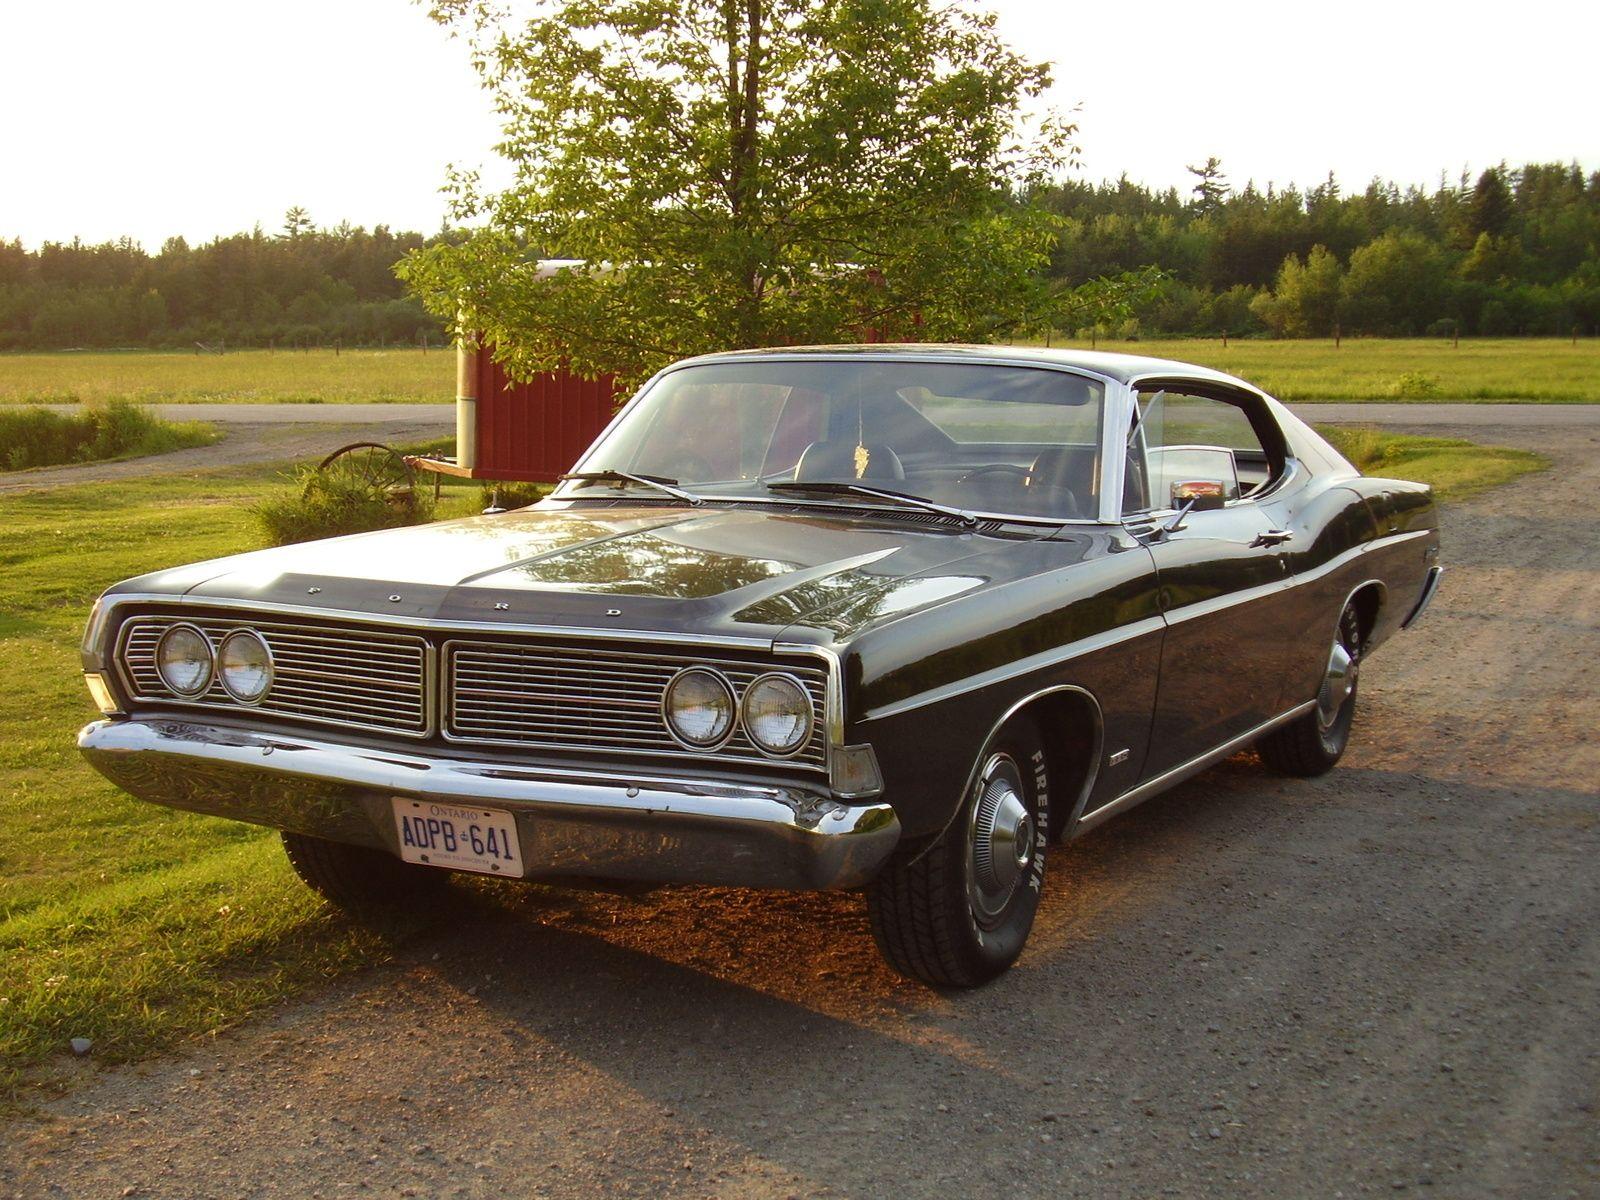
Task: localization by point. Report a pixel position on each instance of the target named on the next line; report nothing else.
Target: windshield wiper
(855, 489)
(660, 482)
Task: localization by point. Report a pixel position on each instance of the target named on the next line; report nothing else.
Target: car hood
(714, 571)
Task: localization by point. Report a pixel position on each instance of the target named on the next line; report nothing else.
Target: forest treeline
(1515, 251)
(301, 286)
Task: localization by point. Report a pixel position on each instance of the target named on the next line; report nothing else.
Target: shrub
(38, 437)
(512, 495)
(1415, 385)
(323, 505)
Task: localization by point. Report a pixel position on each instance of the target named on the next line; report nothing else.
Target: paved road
(1515, 415)
(1386, 979)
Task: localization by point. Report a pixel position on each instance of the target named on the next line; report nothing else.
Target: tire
(361, 881)
(1311, 744)
(956, 915)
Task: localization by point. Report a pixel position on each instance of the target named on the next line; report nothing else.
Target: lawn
(1523, 369)
(136, 926)
(241, 376)
(1411, 369)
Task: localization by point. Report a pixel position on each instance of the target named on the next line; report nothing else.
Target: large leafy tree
(738, 173)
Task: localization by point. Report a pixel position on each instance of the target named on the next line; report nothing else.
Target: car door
(1221, 566)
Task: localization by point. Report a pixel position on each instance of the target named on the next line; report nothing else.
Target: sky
(201, 118)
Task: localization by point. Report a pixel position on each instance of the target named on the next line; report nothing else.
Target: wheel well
(1069, 724)
(1368, 599)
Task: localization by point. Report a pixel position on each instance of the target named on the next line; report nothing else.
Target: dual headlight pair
(700, 709)
(241, 662)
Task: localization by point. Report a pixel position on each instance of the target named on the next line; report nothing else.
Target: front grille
(568, 698)
(330, 676)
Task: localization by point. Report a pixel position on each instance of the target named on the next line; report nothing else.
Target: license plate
(458, 837)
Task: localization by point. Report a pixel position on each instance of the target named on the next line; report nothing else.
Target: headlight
(244, 664)
(698, 707)
(777, 714)
(184, 660)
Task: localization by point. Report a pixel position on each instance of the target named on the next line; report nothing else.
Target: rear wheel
(362, 881)
(1313, 743)
(958, 914)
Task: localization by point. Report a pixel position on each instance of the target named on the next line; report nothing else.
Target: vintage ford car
(892, 618)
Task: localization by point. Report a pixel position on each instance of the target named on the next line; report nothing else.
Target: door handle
(1273, 537)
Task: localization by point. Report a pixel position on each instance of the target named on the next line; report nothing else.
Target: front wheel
(362, 881)
(958, 914)
(1313, 743)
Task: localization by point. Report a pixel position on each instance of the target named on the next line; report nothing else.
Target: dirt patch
(1384, 979)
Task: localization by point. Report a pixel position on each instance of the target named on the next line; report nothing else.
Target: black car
(892, 618)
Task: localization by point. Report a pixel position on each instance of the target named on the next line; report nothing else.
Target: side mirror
(1199, 495)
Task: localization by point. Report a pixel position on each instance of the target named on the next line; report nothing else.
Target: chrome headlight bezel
(270, 667)
(718, 680)
(802, 708)
(204, 685)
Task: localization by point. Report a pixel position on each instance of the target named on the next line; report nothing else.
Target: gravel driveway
(1385, 979)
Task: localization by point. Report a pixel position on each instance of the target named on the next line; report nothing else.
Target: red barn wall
(535, 431)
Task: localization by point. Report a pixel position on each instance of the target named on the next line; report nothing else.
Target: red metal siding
(536, 430)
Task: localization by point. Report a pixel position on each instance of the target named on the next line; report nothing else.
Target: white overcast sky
(199, 117)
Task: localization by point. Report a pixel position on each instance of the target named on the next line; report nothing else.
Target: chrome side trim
(1429, 588)
(1044, 660)
(1182, 771)
(1338, 561)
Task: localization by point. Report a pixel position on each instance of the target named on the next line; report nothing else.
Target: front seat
(1058, 474)
(838, 459)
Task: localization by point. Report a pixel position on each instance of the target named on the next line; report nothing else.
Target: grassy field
(1552, 370)
(136, 926)
(242, 376)
(1527, 369)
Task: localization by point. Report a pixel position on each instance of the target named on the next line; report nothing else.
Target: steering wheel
(995, 469)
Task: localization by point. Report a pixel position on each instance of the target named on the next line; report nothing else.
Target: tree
(296, 222)
(1305, 302)
(1394, 285)
(1211, 185)
(745, 172)
(1489, 210)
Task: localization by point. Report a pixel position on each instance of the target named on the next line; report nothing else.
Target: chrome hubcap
(1337, 684)
(1002, 838)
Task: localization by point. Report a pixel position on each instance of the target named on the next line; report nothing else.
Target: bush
(323, 505)
(38, 437)
(1415, 385)
(512, 495)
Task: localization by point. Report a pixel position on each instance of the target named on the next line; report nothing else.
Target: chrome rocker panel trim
(570, 823)
(1176, 775)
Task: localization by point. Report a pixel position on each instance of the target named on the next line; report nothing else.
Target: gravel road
(1385, 979)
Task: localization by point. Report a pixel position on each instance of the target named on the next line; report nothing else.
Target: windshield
(985, 439)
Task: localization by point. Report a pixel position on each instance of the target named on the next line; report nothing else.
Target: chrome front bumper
(570, 823)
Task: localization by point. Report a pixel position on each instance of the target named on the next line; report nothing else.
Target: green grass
(122, 922)
(244, 376)
(97, 433)
(138, 926)
(1551, 370)
(1519, 369)
(1456, 468)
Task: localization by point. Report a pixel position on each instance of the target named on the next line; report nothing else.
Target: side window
(1184, 439)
